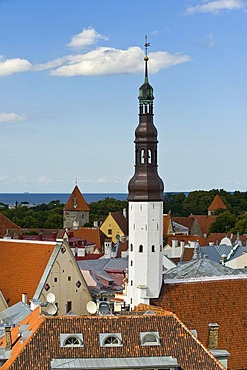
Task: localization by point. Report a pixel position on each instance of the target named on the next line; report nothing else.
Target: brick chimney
(8, 338)
(213, 330)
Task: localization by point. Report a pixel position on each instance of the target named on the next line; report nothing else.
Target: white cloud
(15, 65)
(12, 117)
(217, 6)
(110, 61)
(88, 36)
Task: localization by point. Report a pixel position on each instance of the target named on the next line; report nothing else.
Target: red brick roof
(6, 224)
(21, 267)
(217, 203)
(43, 344)
(220, 301)
(76, 201)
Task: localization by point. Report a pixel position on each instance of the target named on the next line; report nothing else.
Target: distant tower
(75, 211)
(145, 206)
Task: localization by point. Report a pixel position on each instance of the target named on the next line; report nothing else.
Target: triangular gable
(76, 201)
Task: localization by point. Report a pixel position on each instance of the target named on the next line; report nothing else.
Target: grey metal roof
(15, 314)
(203, 267)
(116, 363)
(215, 252)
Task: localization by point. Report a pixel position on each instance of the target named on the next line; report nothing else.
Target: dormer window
(110, 340)
(150, 338)
(71, 340)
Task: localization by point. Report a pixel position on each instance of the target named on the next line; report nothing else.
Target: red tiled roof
(76, 201)
(205, 222)
(6, 224)
(43, 344)
(21, 267)
(224, 302)
(166, 222)
(186, 239)
(216, 238)
(217, 203)
(185, 221)
(187, 254)
(93, 235)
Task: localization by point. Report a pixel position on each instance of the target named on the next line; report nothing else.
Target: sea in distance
(39, 198)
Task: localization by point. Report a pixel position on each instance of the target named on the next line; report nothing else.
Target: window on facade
(142, 156)
(140, 248)
(131, 263)
(55, 280)
(109, 231)
(153, 248)
(68, 306)
(131, 247)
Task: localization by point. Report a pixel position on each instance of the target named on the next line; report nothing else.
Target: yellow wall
(110, 224)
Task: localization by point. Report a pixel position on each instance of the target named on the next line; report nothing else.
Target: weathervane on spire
(76, 180)
(147, 44)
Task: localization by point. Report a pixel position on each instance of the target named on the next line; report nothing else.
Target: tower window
(153, 248)
(142, 156)
(140, 248)
(131, 282)
(161, 248)
(131, 247)
(131, 263)
(157, 227)
(149, 156)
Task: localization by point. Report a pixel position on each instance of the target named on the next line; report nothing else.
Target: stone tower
(145, 206)
(75, 211)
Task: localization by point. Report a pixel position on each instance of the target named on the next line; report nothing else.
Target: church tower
(145, 206)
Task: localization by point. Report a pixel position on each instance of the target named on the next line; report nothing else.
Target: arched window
(110, 340)
(72, 340)
(140, 248)
(153, 248)
(149, 156)
(150, 338)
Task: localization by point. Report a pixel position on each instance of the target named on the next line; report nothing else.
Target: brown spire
(217, 203)
(146, 185)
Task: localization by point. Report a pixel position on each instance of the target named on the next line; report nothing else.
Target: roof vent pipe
(24, 298)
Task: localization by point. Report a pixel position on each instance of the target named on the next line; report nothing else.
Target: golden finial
(147, 44)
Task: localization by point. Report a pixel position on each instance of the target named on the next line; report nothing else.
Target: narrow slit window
(140, 248)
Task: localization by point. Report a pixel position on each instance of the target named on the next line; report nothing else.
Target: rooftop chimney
(24, 298)
(8, 338)
(213, 329)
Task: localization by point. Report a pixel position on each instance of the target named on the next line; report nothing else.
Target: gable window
(71, 340)
(109, 231)
(150, 338)
(110, 340)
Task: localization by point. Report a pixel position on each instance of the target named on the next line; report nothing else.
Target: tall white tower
(145, 206)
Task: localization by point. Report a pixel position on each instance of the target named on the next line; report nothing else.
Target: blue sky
(70, 71)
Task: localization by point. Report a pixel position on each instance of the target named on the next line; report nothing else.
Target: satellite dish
(50, 297)
(104, 308)
(51, 309)
(91, 307)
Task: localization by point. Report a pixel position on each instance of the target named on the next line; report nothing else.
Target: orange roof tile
(22, 264)
(6, 224)
(217, 203)
(185, 221)
(76, 201)
(219, 301)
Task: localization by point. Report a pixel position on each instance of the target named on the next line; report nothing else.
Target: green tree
(223, 223)
(241, 225)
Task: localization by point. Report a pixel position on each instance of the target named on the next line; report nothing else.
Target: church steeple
(146, 185)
